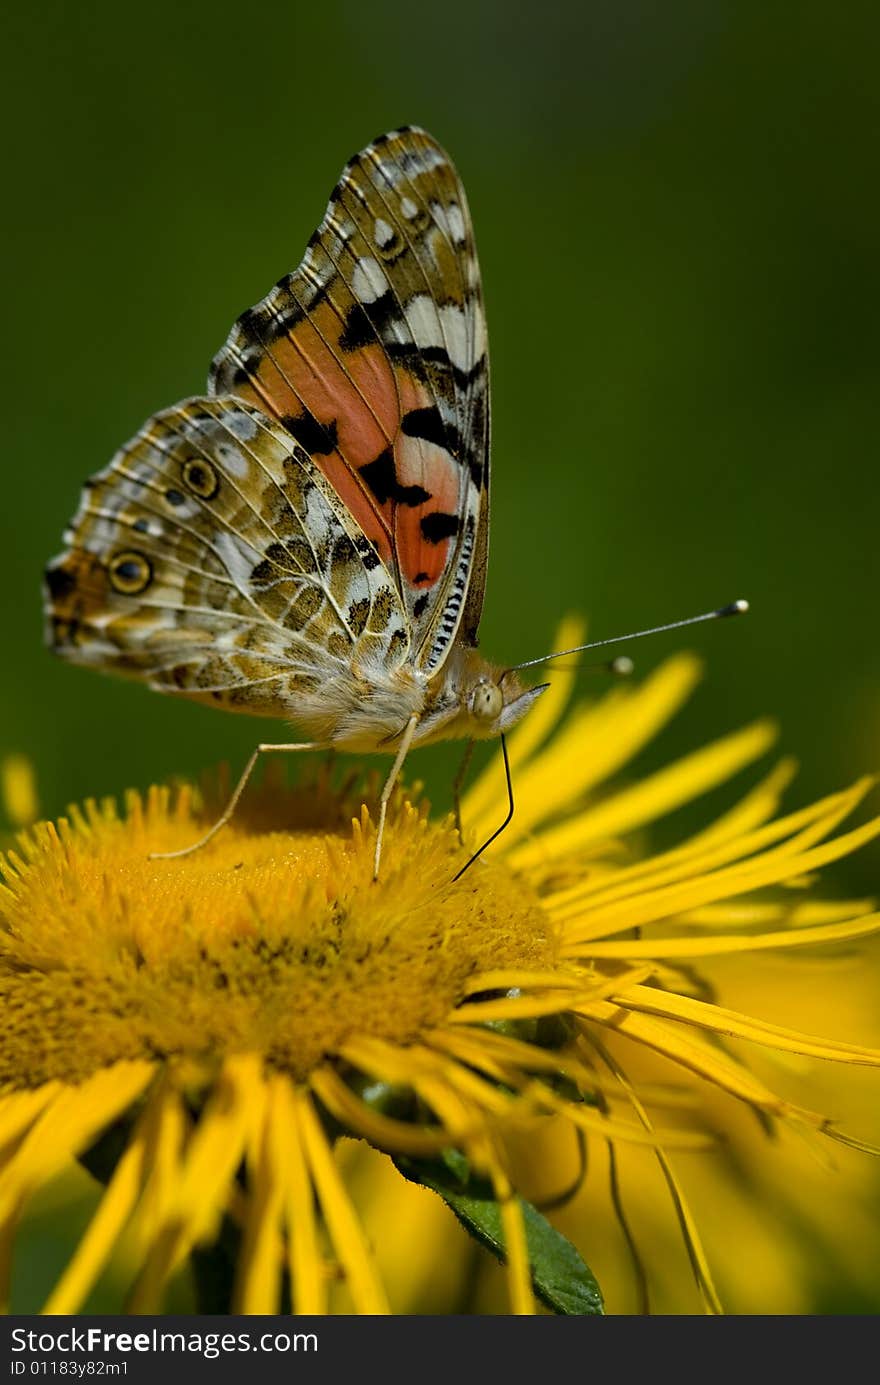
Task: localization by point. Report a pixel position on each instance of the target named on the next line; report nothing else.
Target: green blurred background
(677, 216)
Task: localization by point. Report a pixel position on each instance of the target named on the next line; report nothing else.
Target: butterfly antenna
(498, 830)
(735, 608)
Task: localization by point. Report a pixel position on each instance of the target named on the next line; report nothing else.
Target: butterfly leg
(405, 743)
(458, 783)
(232, 804)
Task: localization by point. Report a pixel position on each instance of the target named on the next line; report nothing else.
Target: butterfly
(309, 538)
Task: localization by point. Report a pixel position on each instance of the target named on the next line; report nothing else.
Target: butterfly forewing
(372, 354)
(213, 559)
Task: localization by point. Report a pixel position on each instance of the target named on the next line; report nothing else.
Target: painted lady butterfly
(309, 539)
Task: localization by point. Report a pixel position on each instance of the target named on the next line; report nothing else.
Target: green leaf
(560, 1277)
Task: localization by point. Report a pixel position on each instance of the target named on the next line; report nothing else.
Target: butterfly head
(474, 700)
(494, 700)
(486, 700)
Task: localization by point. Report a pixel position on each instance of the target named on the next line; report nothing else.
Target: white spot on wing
(237, 557)
(465, 335)
(462, 332)
(383, 232)
(456, 223)
(233, 461)
(189, 509)
(368, 281)
(408, 208)
(423, 321)
(242, 425)
(450, 220)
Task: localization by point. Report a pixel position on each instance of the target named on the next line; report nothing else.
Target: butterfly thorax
(368, 708)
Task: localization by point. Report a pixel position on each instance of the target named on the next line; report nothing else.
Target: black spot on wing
(282, 324)
(244, 373)
(397, 642)
(419, 605)
(239, 360)
(367, 550)
(429, 425)
(439, 526)
(418, 358)
(250, 324)
(59, 582)
(365, 322)
(318, 439)
(343, 550)
(381, 477)
(358, 614)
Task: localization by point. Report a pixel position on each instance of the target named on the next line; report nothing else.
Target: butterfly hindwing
(213, 559)
(372, 354)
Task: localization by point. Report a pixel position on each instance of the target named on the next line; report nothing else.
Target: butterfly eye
(201, 478)
(130, 573)
(487, 701)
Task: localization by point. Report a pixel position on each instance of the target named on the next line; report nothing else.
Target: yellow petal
(509, 979)
(546, 1003)
(165, 1128)
(720, 1021)
(690, 1051)
(345, 1229)
(102, 1233)
(655, 795)
(690, 1235)
(205, 1175)
(719, 944)
(737, 914)
(19, 1110)
(519, 1277)
(381, 1130)
(795, 832)
(755, 808)
(308, 1275)
(594, 743)
(258, 1271)
(216, 1147)
(485, 795)
(67, 1125)
(608, 1128)
(536, 1097)
(768, 869)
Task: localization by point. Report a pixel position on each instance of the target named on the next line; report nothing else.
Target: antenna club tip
(736, 608)
(622, 666)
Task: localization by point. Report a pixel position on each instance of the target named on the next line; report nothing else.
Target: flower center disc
(264, 941)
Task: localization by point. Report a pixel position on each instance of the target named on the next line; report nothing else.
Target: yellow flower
(200, 1031)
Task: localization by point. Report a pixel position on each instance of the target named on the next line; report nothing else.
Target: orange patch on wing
(425, 464)
(364, 398)
(305, 370)
(421, 561)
